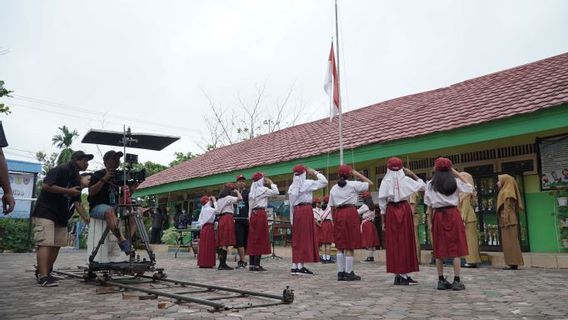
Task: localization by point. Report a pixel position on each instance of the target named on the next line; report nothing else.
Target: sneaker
(397, 280)
(240, 265)
(224, 267)
(305, 271)
(444, 285)
(458, 286)
(369, 259)
(252, 268)
(294, 272)
(125, 246)
(403, 281)
(352, 277)
(47, 282)
(411, 281)
(341, 276)
(260, 268)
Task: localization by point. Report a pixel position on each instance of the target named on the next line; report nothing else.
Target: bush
(14, 235)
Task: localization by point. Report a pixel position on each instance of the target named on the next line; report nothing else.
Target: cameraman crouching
(104, 198)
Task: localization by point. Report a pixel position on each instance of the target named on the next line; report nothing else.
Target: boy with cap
(60, 190)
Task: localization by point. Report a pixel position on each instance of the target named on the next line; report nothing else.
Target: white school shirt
(326, 214)
(226, 205)
(206, 215)
(437, 200)
(366, 213)
(261, 196)
(317, 213)
(397, 187)
(347, 195)
(301, 189)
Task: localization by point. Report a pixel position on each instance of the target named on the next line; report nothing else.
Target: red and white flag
(332, 78)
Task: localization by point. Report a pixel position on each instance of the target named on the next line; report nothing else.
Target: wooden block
(105, 290)
(165, 304)
(130, 296)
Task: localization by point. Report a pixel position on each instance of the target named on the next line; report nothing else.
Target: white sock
(370, 253)
(326, 257)
(294, 266)
(340, 262)
(300, 265)
(404, 275)
(348, 264)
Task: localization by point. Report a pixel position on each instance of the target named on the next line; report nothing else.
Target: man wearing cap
(103, 198)
(60, 190)
(241, 221)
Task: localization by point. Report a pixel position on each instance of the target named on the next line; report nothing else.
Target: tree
(182, 157)
(4, 109)
(47, 163)
(63, 141)
(150, 167)
(253, 117)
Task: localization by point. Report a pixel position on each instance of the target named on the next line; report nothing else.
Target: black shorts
(241, 232)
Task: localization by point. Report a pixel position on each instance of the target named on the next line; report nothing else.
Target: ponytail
(342, 181)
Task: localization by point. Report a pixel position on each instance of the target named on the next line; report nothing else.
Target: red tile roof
(519, 90)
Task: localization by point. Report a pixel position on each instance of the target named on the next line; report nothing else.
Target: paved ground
(490, 294)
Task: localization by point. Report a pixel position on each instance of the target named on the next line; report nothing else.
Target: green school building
(513, 121)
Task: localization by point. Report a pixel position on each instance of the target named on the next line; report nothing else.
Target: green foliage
(4, 109)
(151, 167)
(182, 157)
(14, 235)
(170, 236)
(63, 140)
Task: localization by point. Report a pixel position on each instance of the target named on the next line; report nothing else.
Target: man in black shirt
(60, 189)
(241, 221)
(104, 198)
(8, 202)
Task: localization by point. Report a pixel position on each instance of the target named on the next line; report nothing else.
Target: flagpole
(339, 91)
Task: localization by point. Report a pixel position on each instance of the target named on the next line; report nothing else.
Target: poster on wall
(22, 187)
(554, 162)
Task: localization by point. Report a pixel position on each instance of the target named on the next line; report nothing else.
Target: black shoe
(457, 286)
(411, 281)
(470, 265)
(294, 272)
(252, 268)
(47, 282)
(224, 267)
(352, 276)
(260, 268)
(397, 280)
(444, 285)
(511, 268)
(369, 259)
(403, 281)
(304, 271)
(341, 276)
(241, 265)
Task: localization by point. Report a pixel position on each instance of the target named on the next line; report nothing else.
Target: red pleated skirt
(258, 242)
(346, 229)
(448, 232)
(304, 240)
(369, 235)
(226, 231)
(325, 235)
(399, 239)
(207, 247)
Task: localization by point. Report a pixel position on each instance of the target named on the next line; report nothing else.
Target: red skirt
(226, 231)
(258, 242)
(448, 232)
(369, 235)
(304, 241)
(399, 239)
(346, 229)
(325, 235)
(207, 247)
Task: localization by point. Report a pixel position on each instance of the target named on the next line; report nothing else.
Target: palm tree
(63, 141)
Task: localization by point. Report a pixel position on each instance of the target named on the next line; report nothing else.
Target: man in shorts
(60, 189)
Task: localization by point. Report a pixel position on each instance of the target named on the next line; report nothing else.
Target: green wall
(542, 229)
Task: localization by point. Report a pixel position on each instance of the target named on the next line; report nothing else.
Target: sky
(150, 64)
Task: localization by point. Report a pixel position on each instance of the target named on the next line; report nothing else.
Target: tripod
(273, 220)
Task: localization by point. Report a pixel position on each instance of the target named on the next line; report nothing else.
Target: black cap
(80, 155)
(113, 154)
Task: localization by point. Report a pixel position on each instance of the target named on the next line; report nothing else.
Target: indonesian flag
(332, 76)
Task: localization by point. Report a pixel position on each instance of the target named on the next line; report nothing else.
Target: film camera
(131, 175)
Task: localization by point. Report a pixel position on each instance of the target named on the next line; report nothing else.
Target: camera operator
(104, 198)
(61, 188)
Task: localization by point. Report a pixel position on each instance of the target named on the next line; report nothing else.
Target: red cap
(257, 176)
(299, 169)
(230, 185)
(344, 170)
(395, 164)
(240, 177)
(365, 194)
(442, 164)
(326, 199)
(316, 200)
(204, 200)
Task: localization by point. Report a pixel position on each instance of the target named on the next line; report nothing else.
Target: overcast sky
(146, 64)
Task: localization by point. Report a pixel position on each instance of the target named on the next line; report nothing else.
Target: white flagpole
(339, 93)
